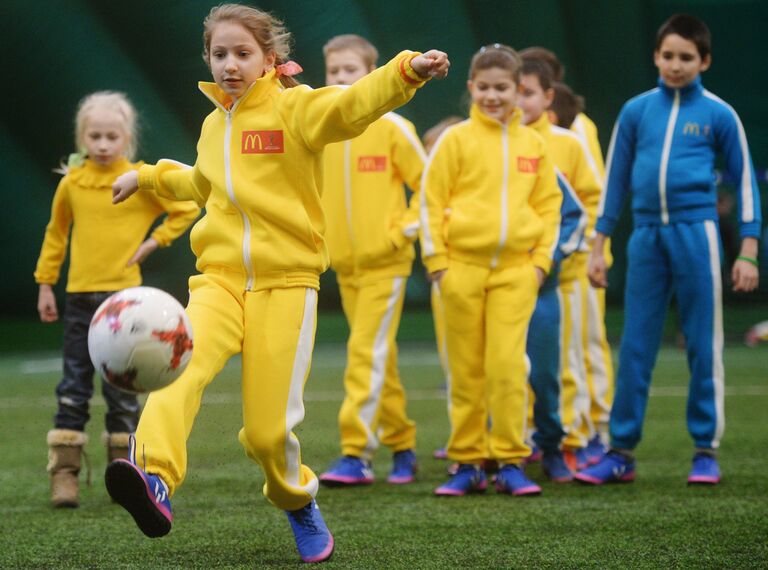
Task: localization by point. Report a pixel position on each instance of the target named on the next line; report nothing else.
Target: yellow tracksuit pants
(599, 366)
(274, 329)
(574, 395)
(374, 404)
(486, 314)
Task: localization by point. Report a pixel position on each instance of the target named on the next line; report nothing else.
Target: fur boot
(117, 445)
(65, 446)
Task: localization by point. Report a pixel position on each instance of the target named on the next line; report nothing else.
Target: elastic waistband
(268, 280)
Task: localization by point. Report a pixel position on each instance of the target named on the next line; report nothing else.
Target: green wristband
(751, 260)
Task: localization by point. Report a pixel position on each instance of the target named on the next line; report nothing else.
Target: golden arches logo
(262, 142)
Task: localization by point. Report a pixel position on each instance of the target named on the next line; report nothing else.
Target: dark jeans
(76, 387)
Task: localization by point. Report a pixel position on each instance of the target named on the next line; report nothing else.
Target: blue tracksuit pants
(681, 259)
(543, 349)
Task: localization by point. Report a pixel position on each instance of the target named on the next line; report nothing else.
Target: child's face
(679, 61)
(494, 91)
(533, 99)
(236, 58)
(344, 67)
(104, 136)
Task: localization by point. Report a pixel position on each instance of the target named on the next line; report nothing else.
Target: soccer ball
(140, 339)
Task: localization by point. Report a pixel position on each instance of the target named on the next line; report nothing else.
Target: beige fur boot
(65, 447)
(117, 445)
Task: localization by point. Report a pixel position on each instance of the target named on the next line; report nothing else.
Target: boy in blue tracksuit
(543, 343)
(662, 150)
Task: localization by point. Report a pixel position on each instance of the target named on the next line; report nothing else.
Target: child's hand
(597, 270)
(46, 304)
(437, 276)
(125, 185)
(540, 275)
(143, 252)
(745, 276)
(433, 63)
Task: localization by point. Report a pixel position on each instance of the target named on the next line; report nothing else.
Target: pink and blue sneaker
(404, 467)
(576, 459)
(536, 454)
(313, 539)
(554, 467)
(347, 471)
(704, 470)
(468, 478)
(595, 450)
(511, 480)
(614, 467)
(440, 453)
(143, 495)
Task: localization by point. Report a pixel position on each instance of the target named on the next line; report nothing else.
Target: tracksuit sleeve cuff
(147, 177)
(605, 225)
(750, 230)
(407, 72)
(542, 261)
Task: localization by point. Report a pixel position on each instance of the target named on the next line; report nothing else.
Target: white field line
(227, 398)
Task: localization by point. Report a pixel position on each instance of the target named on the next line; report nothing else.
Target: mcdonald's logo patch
(262, 142)
(527, 164)
(371, 163)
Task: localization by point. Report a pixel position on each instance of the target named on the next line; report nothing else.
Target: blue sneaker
(576, 459)
(554, 467)
(348, 470)
(705, 470)
(440, 453)
(511, 480)
(313, 539)
(535, 455)
(612, 468)
(595, 450)
(468, 479)
(143, 495)
(404, 467)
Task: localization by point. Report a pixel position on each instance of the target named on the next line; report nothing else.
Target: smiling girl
(490, 209)
(260, 250)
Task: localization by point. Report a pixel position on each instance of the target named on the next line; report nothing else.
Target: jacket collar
(255, 92)
(694, 87)
(477, 115)
(542, 124)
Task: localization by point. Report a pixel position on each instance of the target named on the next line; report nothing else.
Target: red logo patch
(527, 164)
(372, 164)
(262, 142)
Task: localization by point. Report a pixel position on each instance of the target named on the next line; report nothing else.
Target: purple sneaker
(469, 478)
(313, 539)
(613, 468)
(705, 470)
(595, 450)
(511, 480)
(404, 467)
(347, 471)
(554, 467)
(143, 495)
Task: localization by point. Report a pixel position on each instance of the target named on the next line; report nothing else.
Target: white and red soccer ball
(140, 339)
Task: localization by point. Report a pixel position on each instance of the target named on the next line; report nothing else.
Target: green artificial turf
(223, 521)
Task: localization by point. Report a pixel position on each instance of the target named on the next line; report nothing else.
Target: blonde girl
(106, 249)
(260, 251)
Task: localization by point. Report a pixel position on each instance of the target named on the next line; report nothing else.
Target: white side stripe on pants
(718, 373)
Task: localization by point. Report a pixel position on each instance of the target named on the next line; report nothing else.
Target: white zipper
(231, 193)
(665, 157)
(348, 189)
(504, 196)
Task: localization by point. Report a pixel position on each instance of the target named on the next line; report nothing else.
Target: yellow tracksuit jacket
(260, 249)
(370, 230)
(490, 212)
(104, 236)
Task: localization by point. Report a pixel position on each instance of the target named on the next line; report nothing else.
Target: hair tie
(289, 69)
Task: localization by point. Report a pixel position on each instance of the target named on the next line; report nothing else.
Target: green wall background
(56, 51)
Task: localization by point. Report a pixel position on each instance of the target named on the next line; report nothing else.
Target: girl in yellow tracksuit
(107, 246)
(490, 210)
(370, 233)
(570, 157)
(260, 251)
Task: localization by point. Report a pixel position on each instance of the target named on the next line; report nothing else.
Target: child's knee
(261, 441)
